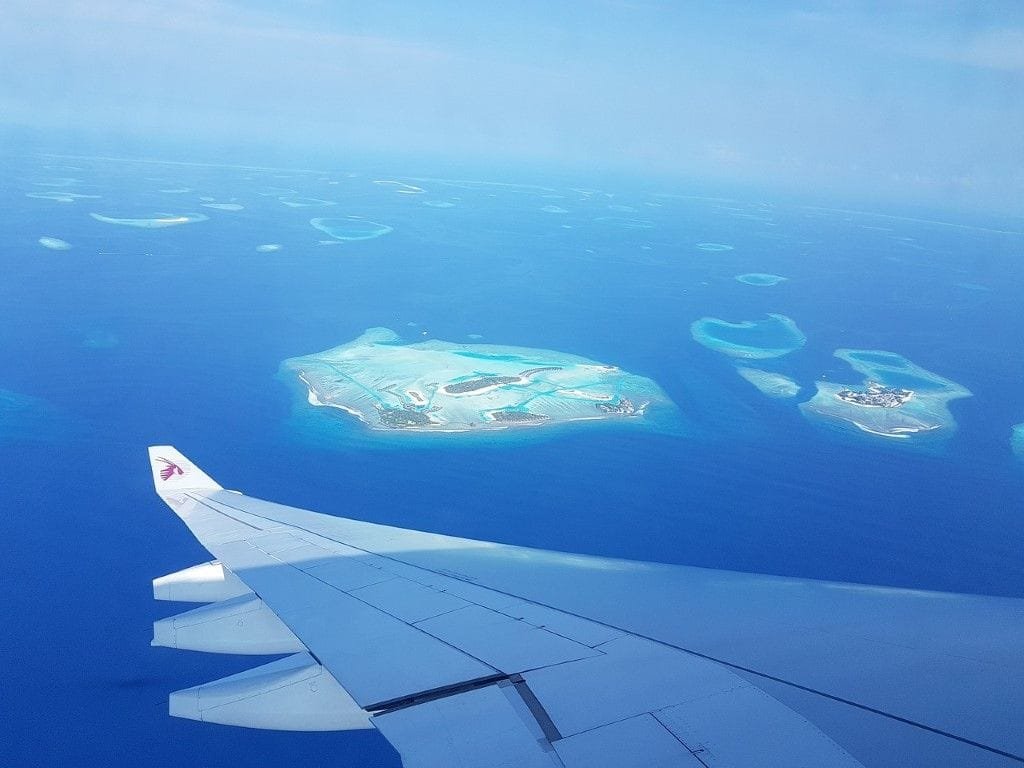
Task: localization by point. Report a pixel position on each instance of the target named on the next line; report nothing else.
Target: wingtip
(172, 471)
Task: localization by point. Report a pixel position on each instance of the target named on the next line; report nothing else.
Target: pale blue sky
(916, 101)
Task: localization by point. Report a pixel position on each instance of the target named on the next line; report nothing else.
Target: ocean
(132, 336)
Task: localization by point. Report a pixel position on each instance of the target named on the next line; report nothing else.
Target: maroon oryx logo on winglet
(170, 469)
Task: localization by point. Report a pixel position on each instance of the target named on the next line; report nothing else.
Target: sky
(919, 101)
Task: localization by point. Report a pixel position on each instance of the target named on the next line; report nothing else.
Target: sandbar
(770, 383)
(401, 187)
(54, 243)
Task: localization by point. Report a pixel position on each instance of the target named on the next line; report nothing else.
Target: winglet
(173, 472)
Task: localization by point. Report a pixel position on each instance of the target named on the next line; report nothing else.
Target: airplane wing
(476, 654)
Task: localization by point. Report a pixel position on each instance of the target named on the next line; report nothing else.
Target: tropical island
(898, 399)
(438, 386)
(876, 395)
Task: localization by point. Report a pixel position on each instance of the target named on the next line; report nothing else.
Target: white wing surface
(475, 654)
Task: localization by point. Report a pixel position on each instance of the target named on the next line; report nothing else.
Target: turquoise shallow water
(137, 336)
(761, 333)
(771, 336)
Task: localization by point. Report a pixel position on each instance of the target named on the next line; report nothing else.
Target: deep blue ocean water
(134, 336)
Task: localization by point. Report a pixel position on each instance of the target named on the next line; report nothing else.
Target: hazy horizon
(916, 104)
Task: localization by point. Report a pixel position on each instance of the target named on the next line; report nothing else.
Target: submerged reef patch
(26, 418)
(760, 279)
(61, 182)
(401, 187)
(437, 386)
(1017, 440)
(350, 228)
(305, 202)
(624, 223)
(157, 222)
(60, 197)
(224, 206)
(897, 399)
(775, 336)
(99, 338)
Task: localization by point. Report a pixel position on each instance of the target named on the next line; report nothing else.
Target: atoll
(775, 336)
(350, 228)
